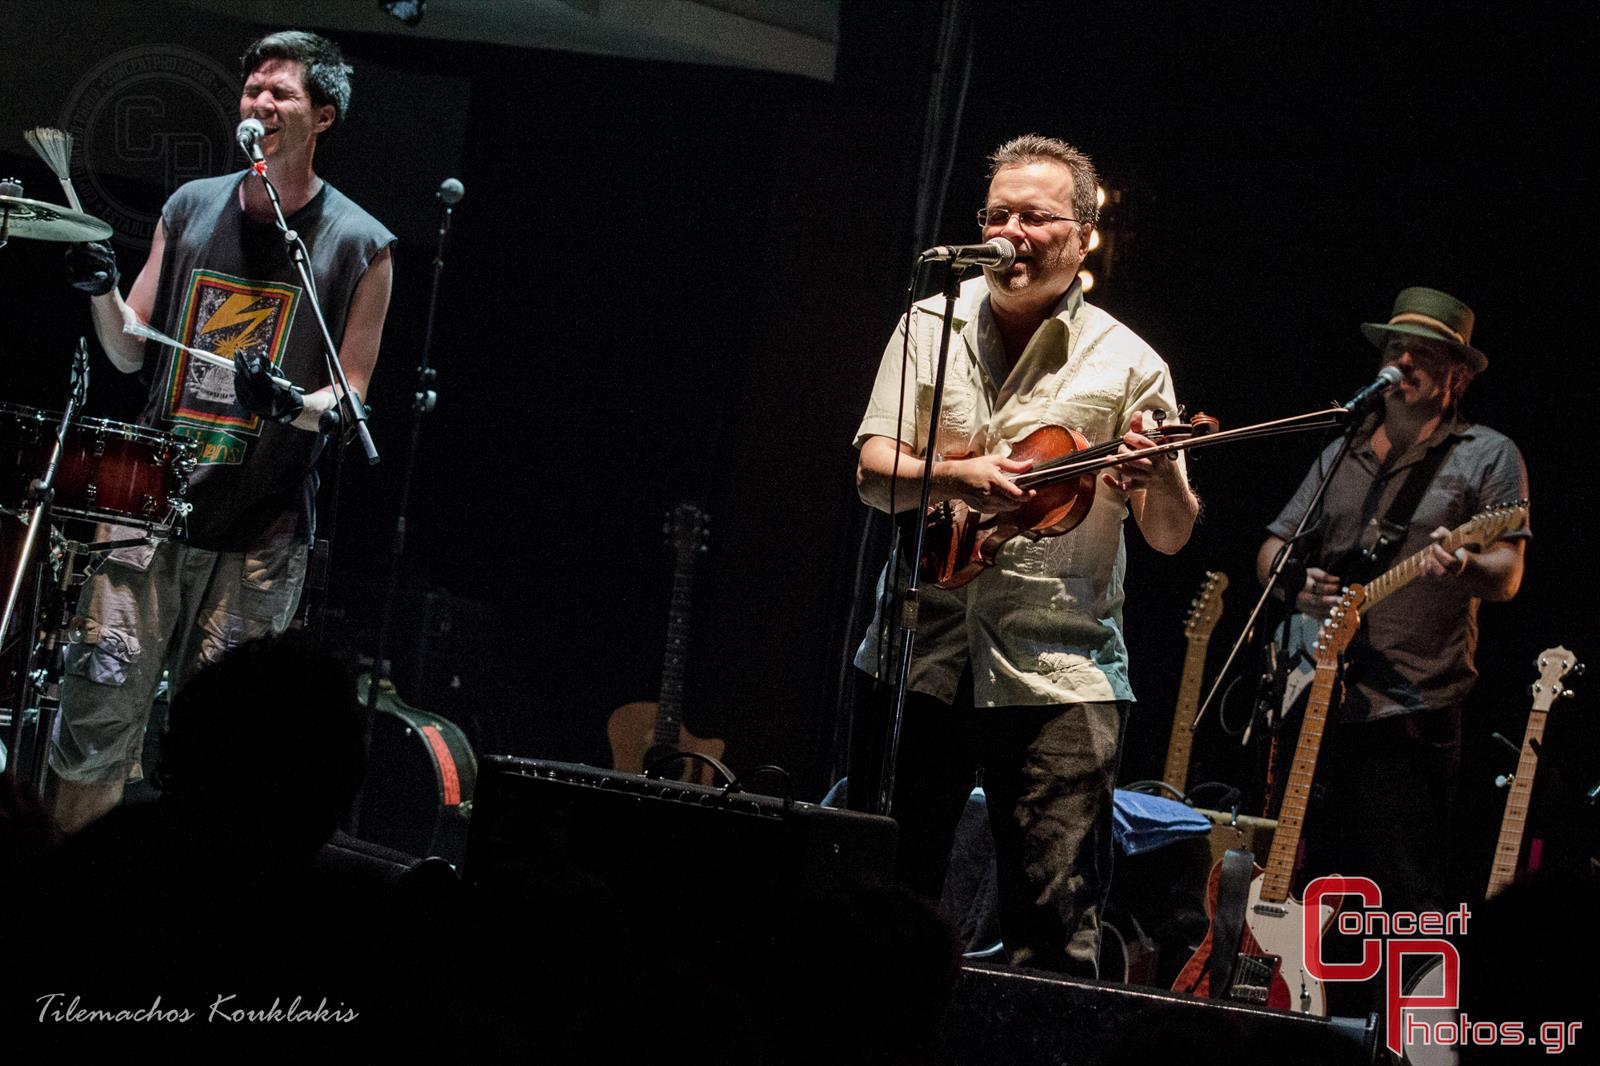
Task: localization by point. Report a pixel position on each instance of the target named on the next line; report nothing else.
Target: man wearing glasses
(1023, 672)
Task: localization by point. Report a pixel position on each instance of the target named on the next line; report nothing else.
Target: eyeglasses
(999, 216)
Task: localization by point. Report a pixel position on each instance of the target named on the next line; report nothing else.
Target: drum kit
(61, 471)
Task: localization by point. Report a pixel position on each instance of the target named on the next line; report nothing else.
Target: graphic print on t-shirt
(228, 316)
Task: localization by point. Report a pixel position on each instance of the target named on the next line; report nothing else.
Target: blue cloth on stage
(1141, 822)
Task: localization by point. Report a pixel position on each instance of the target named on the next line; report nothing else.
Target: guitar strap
(1227, 924)
(1393, 525)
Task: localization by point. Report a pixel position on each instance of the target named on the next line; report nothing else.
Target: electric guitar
(1477, 532)
(641, 733)
(1554, 664)
(1204, 611)
(1269, 968)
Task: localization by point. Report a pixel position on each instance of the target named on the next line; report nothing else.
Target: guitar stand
(655, 769)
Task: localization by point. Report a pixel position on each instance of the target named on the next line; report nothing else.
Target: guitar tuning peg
(1567, 694)
(1577, 669)
(1504, 780)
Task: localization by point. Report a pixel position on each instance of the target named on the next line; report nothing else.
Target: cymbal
(39, 221)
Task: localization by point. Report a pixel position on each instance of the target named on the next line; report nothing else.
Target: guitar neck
(669, 711)
(1176, 772)
(1512, 827)
(1291, 817)
(1481, 530)
(1406, 571)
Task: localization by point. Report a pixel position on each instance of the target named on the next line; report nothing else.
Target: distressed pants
(155, 607)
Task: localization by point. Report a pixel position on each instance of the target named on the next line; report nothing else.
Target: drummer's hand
(1137, 474)
(984, 482)
(261, 390)
(92, 267)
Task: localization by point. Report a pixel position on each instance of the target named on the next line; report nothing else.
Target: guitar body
(643, 733)
(1270, 968)
(632, 732)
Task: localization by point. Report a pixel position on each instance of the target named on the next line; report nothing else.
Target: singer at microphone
(1036, 639)
(1415, 474)
(221, 277)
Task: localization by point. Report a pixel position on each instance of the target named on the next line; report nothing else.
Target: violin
(959, 542)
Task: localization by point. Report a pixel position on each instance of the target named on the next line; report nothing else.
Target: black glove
(261, 390)
(92, 267)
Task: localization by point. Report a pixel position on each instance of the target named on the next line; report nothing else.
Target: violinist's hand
(1136, 474)
(984, 482)
(1438, 563)
(1321, 593)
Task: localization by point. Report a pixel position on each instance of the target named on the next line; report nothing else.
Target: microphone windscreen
(451, 191)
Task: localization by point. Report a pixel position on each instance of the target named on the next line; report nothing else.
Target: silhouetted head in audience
(266, 745)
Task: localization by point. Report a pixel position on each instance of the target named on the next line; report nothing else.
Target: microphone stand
(909, 603)
(1280, 564)
(422, 405)
(302, 261)
(42, 493)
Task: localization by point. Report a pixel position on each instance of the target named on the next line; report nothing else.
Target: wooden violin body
(959, 542)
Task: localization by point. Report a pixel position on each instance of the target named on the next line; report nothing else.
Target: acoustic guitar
(643, 733)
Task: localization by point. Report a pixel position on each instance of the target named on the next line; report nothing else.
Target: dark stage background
(671, 281)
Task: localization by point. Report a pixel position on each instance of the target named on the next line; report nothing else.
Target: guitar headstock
(1554, 665)
(687, 529)
(1206, 608)
(1340, 627)
(1486, 527)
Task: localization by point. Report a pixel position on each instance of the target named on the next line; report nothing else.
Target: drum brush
(55, 148)
(149, 333)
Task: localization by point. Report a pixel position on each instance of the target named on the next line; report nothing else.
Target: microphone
(249, 135)
(451, 191)
(997, 253)
(1388, 378)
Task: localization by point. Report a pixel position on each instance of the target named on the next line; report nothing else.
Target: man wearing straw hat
(1416, 470)
(219, 277)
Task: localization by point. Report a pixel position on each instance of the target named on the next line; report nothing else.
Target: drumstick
(139, 329)
(55, 148)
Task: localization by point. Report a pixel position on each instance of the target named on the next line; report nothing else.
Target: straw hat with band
(1438, 316)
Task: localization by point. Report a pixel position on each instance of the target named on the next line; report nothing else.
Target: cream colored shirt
(1043, 626)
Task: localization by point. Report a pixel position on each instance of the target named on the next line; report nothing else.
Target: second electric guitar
(1269, 967)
